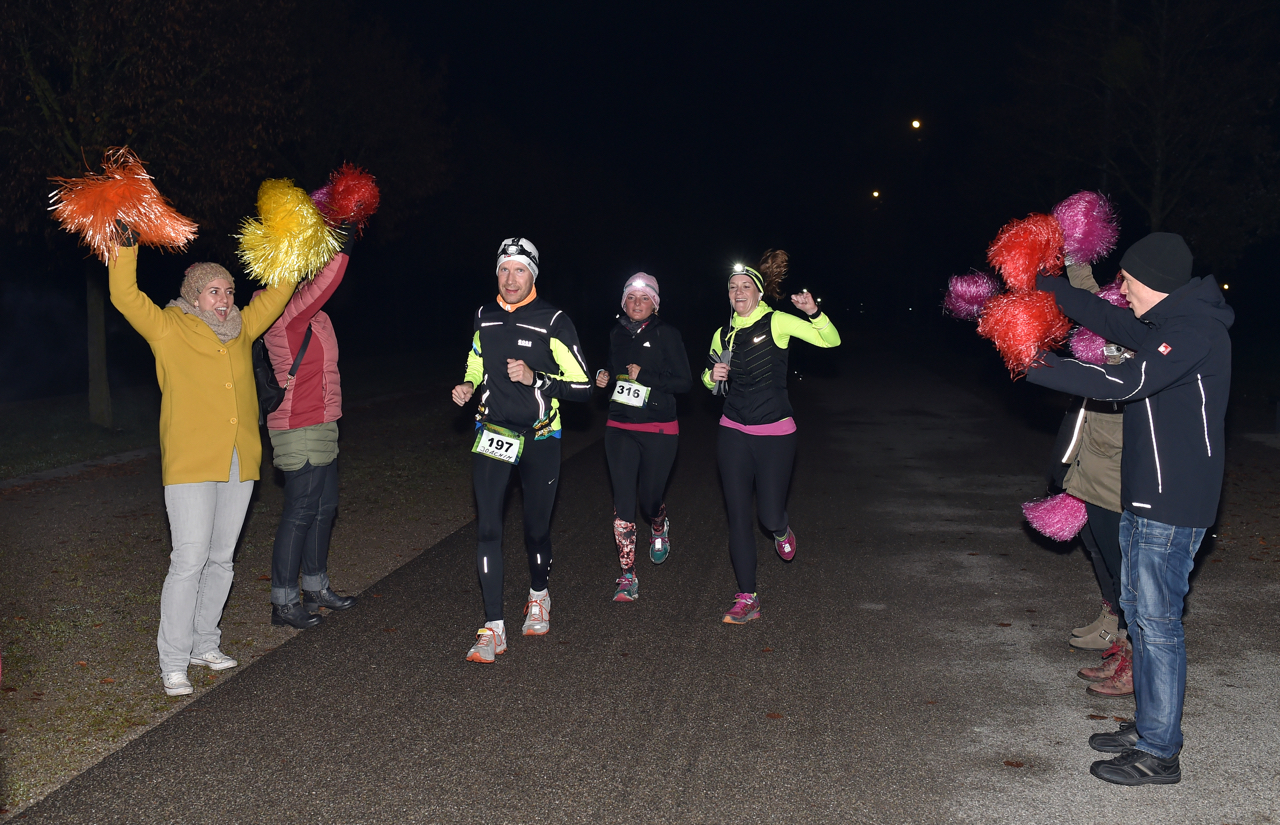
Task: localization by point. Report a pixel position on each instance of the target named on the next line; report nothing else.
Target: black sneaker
(1118, 742)
(1135, 767)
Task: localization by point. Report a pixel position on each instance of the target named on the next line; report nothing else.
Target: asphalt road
(910, 665)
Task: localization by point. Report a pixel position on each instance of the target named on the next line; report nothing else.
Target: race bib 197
(499, 443)
(631, 394)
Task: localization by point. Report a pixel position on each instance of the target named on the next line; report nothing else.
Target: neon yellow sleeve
(475, 364)
(820, 331)
(715, 350)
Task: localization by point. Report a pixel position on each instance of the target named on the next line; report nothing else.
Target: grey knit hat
(1160, 261)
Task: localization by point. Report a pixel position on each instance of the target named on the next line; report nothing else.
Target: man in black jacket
(1175, 388)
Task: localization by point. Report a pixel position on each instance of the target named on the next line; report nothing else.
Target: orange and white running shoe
(537, 614)
(489, 643)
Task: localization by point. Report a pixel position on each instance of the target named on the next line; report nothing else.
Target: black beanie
(1161, 261)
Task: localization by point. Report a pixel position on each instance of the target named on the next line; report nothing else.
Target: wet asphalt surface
(910, 665)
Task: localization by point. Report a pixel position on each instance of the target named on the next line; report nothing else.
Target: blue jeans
(1157, 560)
(302, 539)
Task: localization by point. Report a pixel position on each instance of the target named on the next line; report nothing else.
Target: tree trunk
(99, 388)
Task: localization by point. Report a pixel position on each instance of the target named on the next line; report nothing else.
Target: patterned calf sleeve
(624, 532)
(659, 521)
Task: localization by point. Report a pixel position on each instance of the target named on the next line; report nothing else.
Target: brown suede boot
(1120, 683)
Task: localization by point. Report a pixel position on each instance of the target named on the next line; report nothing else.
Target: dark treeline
(674, 143)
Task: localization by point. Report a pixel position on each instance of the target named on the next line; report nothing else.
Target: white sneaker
(489, 643)
(537, 614)
(176, 683)
(214, 660)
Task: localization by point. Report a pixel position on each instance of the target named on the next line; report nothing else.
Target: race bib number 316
(631, 394)
(502, 446)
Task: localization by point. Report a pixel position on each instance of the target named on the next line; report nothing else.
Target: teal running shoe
(660, 544)
(628, 588)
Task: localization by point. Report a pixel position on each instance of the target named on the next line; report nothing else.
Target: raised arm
(571, 383)
(1095, 314)
(139, 310)
(820, 331)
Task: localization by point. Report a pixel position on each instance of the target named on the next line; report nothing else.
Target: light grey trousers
(205, 519)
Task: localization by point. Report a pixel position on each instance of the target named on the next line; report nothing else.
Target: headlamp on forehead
(738, 269)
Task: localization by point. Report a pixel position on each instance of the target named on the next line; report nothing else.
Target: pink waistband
(665, 427)
(784, 427)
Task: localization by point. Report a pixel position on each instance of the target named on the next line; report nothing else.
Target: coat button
(233, 421)
(228, 385)
(223, 351)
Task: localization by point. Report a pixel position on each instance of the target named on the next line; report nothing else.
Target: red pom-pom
(91, 206)
(1059, 517)
(1021, 324)
(351, 196)
(1026, 247)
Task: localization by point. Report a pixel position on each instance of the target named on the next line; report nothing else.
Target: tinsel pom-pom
(1021, 324)
(351, 196)
(289, 240)
(1026, 247)
(92, 205)
(1087, 345)
(1089, 227)
(1059, 517)
(966, 294)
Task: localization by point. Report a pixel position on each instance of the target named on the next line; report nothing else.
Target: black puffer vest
(757, 374)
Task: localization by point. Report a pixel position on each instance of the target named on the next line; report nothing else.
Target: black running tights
(539, 470)
(763, 462)
(643, 460)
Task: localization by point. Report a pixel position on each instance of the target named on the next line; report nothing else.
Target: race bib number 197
(631, 394)
(504, 446)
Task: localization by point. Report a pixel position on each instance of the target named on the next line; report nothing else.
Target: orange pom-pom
(93, 207)
(1021, 324)
(1026, 247)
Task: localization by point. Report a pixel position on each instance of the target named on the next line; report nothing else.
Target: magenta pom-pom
(968, 293)
(1087, 345)
(1111, 293)
(321, 198)
(1089, 227)
(1059, 517)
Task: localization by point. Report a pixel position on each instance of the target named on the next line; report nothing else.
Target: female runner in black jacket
(647, 358)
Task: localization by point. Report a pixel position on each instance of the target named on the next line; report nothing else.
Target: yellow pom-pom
(289, 240)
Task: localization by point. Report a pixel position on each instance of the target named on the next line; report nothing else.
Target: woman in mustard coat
(210, 448)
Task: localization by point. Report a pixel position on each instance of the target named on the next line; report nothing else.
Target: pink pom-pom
(966, 294)
(321, 198)
(1021, 324)
(1087, 345)
(1024, 248)
(1059, 517)
(1089, 227)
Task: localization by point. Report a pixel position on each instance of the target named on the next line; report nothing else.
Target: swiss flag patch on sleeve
(1165, 349)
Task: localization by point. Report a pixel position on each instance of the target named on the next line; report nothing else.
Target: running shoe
(628, 588)
(746, 606)
(659, 544)
(489, 643)
(786, 546)
(537, 614)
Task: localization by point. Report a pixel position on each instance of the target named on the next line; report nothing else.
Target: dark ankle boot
(313, 600)
(293, 615)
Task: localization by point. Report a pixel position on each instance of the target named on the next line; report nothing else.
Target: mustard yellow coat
(209, 402)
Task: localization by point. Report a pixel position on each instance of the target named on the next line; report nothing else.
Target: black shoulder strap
(302, 350)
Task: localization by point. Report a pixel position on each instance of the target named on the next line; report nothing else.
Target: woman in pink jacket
(304, 441)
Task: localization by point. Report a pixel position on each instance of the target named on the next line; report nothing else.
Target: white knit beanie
(519, 249)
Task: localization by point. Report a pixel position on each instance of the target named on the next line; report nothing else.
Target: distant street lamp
(915, 124)
(875, 194)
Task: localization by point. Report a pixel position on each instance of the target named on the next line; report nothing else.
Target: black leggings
(643, 460)
(762, 461)
(1101, 536)
(539, 469)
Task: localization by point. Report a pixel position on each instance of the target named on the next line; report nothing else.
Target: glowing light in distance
(875, 194)
(915, 124)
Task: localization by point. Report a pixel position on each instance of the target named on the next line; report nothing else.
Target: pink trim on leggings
(784, 427)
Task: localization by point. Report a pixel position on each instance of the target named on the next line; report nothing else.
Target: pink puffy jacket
(315, 396)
